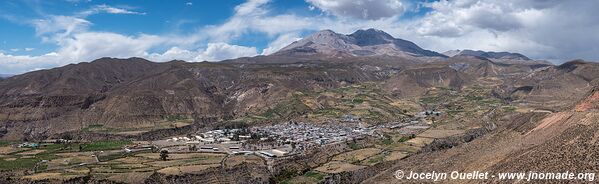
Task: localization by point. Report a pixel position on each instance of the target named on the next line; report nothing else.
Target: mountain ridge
(487, 54)
(369, 42)
(5, 75)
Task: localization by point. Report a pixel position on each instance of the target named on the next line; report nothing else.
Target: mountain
(488, 55)
(557, 115)
(124, 94)
(137, 94)
(370, 42)
(5, 76)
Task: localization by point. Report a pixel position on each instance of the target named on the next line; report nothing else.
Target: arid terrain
(378, 104)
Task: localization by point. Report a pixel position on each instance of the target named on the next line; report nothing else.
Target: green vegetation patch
(316, 175)
(375, 159)
(6, 143)
(25, 163)
(105, 145)
(19, 163)
(287, 108)
(406, 138)
(284, 176)
(509, 108)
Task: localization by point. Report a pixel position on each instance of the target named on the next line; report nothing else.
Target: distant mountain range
(488, 55)
(5, 75)
(370, 42)
(373, 42)
(135, 92)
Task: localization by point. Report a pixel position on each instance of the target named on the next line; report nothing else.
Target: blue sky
(39, 34)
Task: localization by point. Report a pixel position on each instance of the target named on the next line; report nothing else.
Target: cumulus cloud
(174, 53)
(213, 52)
(360, 9)
(92, 45)
(220, 51)
(253, 16)
(456, 18)
(12, 64)
(553, 30)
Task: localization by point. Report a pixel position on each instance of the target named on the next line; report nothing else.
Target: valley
(330, 108)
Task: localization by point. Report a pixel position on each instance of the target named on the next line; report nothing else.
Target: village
(195, 152)
(278, 140)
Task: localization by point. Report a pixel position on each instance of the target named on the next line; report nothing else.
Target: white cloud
(281, 41)
(108, 9)
(213, 52)
(12, 64)
(189, 3)
(553, 29)
(92, 45)
(250, 7)
(29, 49)
(253, 16)
(360, 9)
(56, 28)
(220, 51)
(174, 53)
(456, 18)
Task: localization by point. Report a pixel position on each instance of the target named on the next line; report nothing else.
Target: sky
(41, 34)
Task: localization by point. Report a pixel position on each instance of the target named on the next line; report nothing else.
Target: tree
(192, 147)
(163, 155)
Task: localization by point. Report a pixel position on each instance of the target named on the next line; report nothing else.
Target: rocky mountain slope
(370, 42)
(529, 140)
(511, 114)
(553, 87)
(130, 93)
(489, 55)
(136, 94)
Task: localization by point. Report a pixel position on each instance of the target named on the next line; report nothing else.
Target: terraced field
(461, 111)
(359, 102)
(102, 160)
